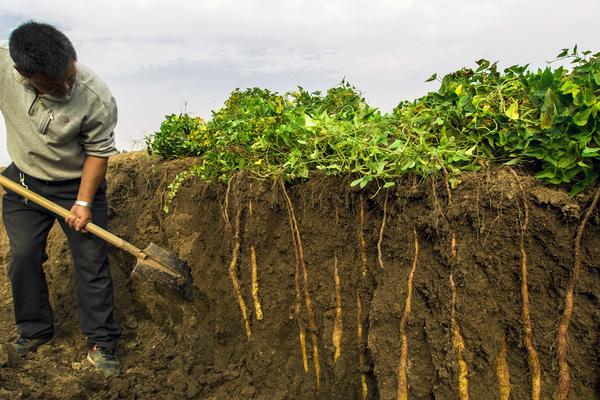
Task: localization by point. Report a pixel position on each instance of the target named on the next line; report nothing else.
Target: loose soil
(176, 349)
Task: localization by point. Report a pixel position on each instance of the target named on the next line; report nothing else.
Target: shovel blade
(165, 269)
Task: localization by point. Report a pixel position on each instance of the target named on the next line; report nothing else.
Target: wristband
(83, 203)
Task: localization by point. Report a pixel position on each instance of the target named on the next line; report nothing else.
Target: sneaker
(105, 360)
(24, 345)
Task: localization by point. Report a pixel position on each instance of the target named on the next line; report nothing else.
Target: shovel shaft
(63, 212)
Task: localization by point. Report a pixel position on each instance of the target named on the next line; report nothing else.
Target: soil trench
(347, 293)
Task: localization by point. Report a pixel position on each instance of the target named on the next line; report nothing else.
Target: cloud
(122, 37)
(8, 20)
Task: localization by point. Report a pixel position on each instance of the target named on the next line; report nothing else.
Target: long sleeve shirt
(49, 137)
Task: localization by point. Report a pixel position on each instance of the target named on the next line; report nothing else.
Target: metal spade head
(166, 269)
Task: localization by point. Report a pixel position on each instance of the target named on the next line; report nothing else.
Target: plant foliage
(545, 119)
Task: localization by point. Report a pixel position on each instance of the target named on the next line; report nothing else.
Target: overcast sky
(163, 57)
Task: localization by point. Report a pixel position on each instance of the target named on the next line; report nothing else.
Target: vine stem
(533, 359)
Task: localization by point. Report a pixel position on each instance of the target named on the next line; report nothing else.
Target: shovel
(154, 262)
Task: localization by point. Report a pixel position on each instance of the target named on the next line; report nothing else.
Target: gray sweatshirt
(48, 137)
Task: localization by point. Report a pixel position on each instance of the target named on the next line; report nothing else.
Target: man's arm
(93, 173)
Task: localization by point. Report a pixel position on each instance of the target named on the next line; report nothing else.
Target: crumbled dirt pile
(324, 290)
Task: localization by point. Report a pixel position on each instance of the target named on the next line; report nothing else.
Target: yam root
(233, 274)
(564, 376)
(362, 244)
(364, 388)
(255, 286)
(307, 298)
(402, 375)
(459, 347)
(338, 322)
(502, 371)
(381, 231)
(532, 356)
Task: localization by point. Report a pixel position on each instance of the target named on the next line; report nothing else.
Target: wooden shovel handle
(63, 212)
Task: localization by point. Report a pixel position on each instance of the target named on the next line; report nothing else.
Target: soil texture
(300, 292)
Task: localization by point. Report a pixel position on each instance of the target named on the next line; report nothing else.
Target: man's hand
(83, 215)
(94, 170)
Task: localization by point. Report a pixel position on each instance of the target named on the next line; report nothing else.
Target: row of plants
(544, 119)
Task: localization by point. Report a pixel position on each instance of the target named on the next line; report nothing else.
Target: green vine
(544, 120)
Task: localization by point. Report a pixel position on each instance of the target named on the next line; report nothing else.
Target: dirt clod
(249, 392)
(4, 359)
(8, 357)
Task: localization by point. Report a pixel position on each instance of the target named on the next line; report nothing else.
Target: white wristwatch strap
(83, 203)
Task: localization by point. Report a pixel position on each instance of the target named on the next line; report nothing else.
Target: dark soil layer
(175, 349)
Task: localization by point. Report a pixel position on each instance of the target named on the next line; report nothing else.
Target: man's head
(45, 56)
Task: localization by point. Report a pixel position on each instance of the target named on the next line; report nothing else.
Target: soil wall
(175, 349)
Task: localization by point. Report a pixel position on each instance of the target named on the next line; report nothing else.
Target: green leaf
(581, 118)
(549, 99)
(545, 174)
(595, 109)
(548, 109)
(459, 89)
(432, 78)
(551, 160)
(578, 97)
(470, 150)
(513, 111)
(409, 165)
(569, 87)
(396, 145)
(356, 182)
(464, 100)
(546, 120)
(502, 140)
(535, 153)
(514, 161)
(388, 184)
(570, 173)
(454, 182)
(365, 181)
(589, 99)
(590, 178)
(590, 152)
(483, 64)
(309, 122)
(547, 78)
(565, 163)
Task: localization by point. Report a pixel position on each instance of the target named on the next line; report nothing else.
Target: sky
(164, 57)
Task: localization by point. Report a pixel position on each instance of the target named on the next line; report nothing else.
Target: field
(446, 250)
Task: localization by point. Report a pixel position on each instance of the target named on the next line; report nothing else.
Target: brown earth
(175, 349)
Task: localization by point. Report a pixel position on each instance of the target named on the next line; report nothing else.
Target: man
(59, 119)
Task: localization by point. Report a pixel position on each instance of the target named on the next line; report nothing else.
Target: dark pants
(27, 225)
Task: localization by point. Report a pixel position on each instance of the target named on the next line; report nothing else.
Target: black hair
(40, 47)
